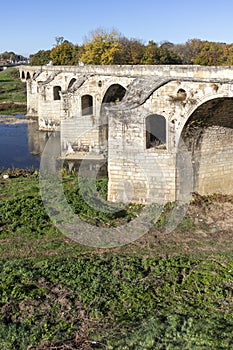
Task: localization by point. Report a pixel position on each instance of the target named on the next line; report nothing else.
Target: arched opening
(56, 93)
(28, 76)
(156, 131)
(115, 93)
(22, 75)
(207, 136)
(87, 105)
(71, 83)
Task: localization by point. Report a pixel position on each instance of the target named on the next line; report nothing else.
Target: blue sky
(28, 26)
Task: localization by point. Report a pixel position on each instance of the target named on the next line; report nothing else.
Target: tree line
(112, 48)
(10, 56)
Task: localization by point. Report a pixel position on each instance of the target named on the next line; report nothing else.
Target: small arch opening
(23, 75)
(71, 83)
(56, 93)
(87, 105)
(28, 76)
(156, 131)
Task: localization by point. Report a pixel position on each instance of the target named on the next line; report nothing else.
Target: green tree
(40, 58)
(168, 57)
(159, 55)
(151, 54)
(210, 55)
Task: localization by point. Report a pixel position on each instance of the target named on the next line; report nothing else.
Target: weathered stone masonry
(139, 117)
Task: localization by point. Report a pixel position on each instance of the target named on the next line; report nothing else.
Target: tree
(76, 54)
(59, 40)
(151, 54)
(102, 48)
(169, 57)
(40, 58)
(131, 52)
(62, 54)
(227, 58)
(159, 55)
(167, 45)
(11, 56)
(210, 55)
(189, 51)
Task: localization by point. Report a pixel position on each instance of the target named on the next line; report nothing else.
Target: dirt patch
(7, 105)
(206, 228)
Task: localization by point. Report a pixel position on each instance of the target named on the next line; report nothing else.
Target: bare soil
(206, 228)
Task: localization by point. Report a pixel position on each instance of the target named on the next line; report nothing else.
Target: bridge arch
(28, 76)
(22, 75)
(208, 137)
(114, 93)
(188, 111)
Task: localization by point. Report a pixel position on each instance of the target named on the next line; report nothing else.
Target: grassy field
(160, 292)
(12, 93)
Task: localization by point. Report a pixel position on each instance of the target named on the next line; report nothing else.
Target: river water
(21, 143)
(21, 146)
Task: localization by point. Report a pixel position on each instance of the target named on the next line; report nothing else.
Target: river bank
(16, 119)
(13, 97)
(160, 292)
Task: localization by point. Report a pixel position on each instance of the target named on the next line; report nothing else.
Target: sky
(28, 26)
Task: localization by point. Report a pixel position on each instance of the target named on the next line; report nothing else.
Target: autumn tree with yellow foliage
(102, 48)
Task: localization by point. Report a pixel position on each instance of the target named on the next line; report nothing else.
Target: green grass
(12, 90)
(57, 294)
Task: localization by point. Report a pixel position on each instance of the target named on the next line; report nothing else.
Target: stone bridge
(165, 131)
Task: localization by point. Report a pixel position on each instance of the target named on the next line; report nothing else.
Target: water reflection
(21, 143)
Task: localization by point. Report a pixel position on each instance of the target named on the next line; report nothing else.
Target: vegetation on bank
(103, 47)
(160, 292)
(12, 93)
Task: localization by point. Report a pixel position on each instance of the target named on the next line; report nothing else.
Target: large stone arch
(222, 91)
(207, 135)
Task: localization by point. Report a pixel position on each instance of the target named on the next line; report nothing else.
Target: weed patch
(12, 92)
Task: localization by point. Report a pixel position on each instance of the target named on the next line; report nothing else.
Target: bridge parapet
(185, 71)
